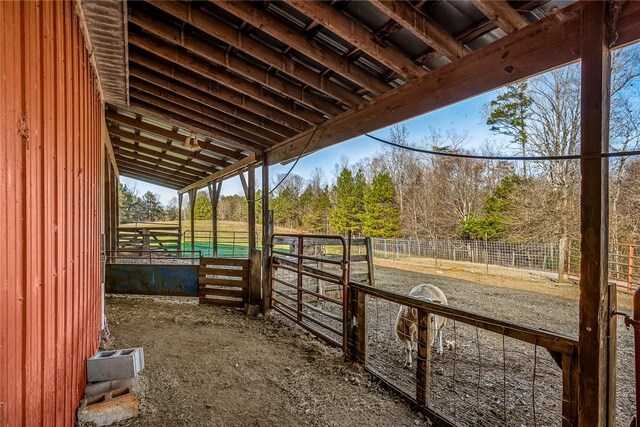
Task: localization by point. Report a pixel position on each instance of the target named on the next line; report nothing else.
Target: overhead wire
(507, 158)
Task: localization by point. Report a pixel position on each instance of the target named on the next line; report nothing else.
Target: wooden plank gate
(224, 281)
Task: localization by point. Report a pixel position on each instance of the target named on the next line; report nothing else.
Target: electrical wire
(286, 175)
(511, 158)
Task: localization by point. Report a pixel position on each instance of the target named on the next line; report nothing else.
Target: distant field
(205, 225)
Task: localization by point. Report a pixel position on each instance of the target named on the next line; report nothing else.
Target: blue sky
(464, 116)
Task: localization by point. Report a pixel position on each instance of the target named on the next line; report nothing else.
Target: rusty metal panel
(49, 213)
(152, 279)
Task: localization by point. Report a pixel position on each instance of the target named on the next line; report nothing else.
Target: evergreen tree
(202, 209)
(152, 208)
(348, 210)
(316, 206)
(131, 206)
(381, 214)
(508, 114)
(492, 224)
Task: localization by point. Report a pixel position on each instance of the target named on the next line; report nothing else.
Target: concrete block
(94, 389)
(115, 364)
(108, 408)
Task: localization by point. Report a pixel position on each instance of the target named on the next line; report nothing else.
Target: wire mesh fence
(529, 256)
(485, 373)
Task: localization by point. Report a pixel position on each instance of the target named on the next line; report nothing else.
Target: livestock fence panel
(309, 276)
(489, 372)
(527, 256)
(624, 264)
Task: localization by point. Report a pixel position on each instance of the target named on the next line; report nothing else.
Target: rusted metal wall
(50, 189)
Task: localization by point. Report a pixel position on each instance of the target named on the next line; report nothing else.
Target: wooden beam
(175, 136)
(175, 112)
(265, 22)
(222, 174)
(245, 187)
(357, 35)
(132, 173)
(502, 14)
(116, 132)
(222, 121)
(214, 194)
(202, 94)
(597, 367)
(151, 156)
(193, 193)
(221, 83)
(422, 27)
(221, 147)
(107, 143)
(266, 238)
(251, 201)
(548, 43)
(245, 68)
(144, 166)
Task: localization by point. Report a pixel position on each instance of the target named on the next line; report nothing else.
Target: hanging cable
(286, 175)
(509, 158)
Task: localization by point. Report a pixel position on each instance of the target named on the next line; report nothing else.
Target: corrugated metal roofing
(50, 186)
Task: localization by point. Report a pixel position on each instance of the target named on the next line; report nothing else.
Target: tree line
(398, 192)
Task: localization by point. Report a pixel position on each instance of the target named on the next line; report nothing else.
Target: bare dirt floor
(208, 365)
(212, 366)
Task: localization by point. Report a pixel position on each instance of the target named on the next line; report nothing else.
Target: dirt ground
(525, 299)
(211, 366)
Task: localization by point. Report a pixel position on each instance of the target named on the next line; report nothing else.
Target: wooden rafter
(175, 136)
(203, 96)
(422, 27)
(248, 70)
(131, 173)
(117, 133)
(284, 123)
(152, 164)
(174, 61)
(545, 44)
(150, 170)
(161, 109)
(502, 14)
(163, 156)
(227, 121)
(358, 36)
(130, 151)
(221, 174)
(271, 26)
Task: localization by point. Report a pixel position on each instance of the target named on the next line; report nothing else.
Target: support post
(180, 218)
(214, 194)
(192, 205)
(251, 201)
(358, 333)
(266, 238)
(423, 360)
(596, 405)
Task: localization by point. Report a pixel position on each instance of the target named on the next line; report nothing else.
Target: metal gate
(309, 276)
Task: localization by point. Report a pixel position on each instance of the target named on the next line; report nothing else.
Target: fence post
(255, 268)
(570, 381)
(299, 281)
(630, 271)
(370, 267)
(423, 360)
(359, 331)
(562, 251)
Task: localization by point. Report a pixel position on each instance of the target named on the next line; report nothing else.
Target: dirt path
(208, 366)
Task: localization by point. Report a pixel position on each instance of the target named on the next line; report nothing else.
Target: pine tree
(152, 208)
(348, 210)
(381, 214)
(202, 209)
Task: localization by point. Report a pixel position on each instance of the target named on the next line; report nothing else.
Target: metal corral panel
(49, 213)
(152, 279)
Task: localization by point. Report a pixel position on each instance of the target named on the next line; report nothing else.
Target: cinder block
(108, 408)
(251, 310)
(94, 389)
(115, 364)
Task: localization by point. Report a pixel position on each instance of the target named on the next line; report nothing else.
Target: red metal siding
(50, 187)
